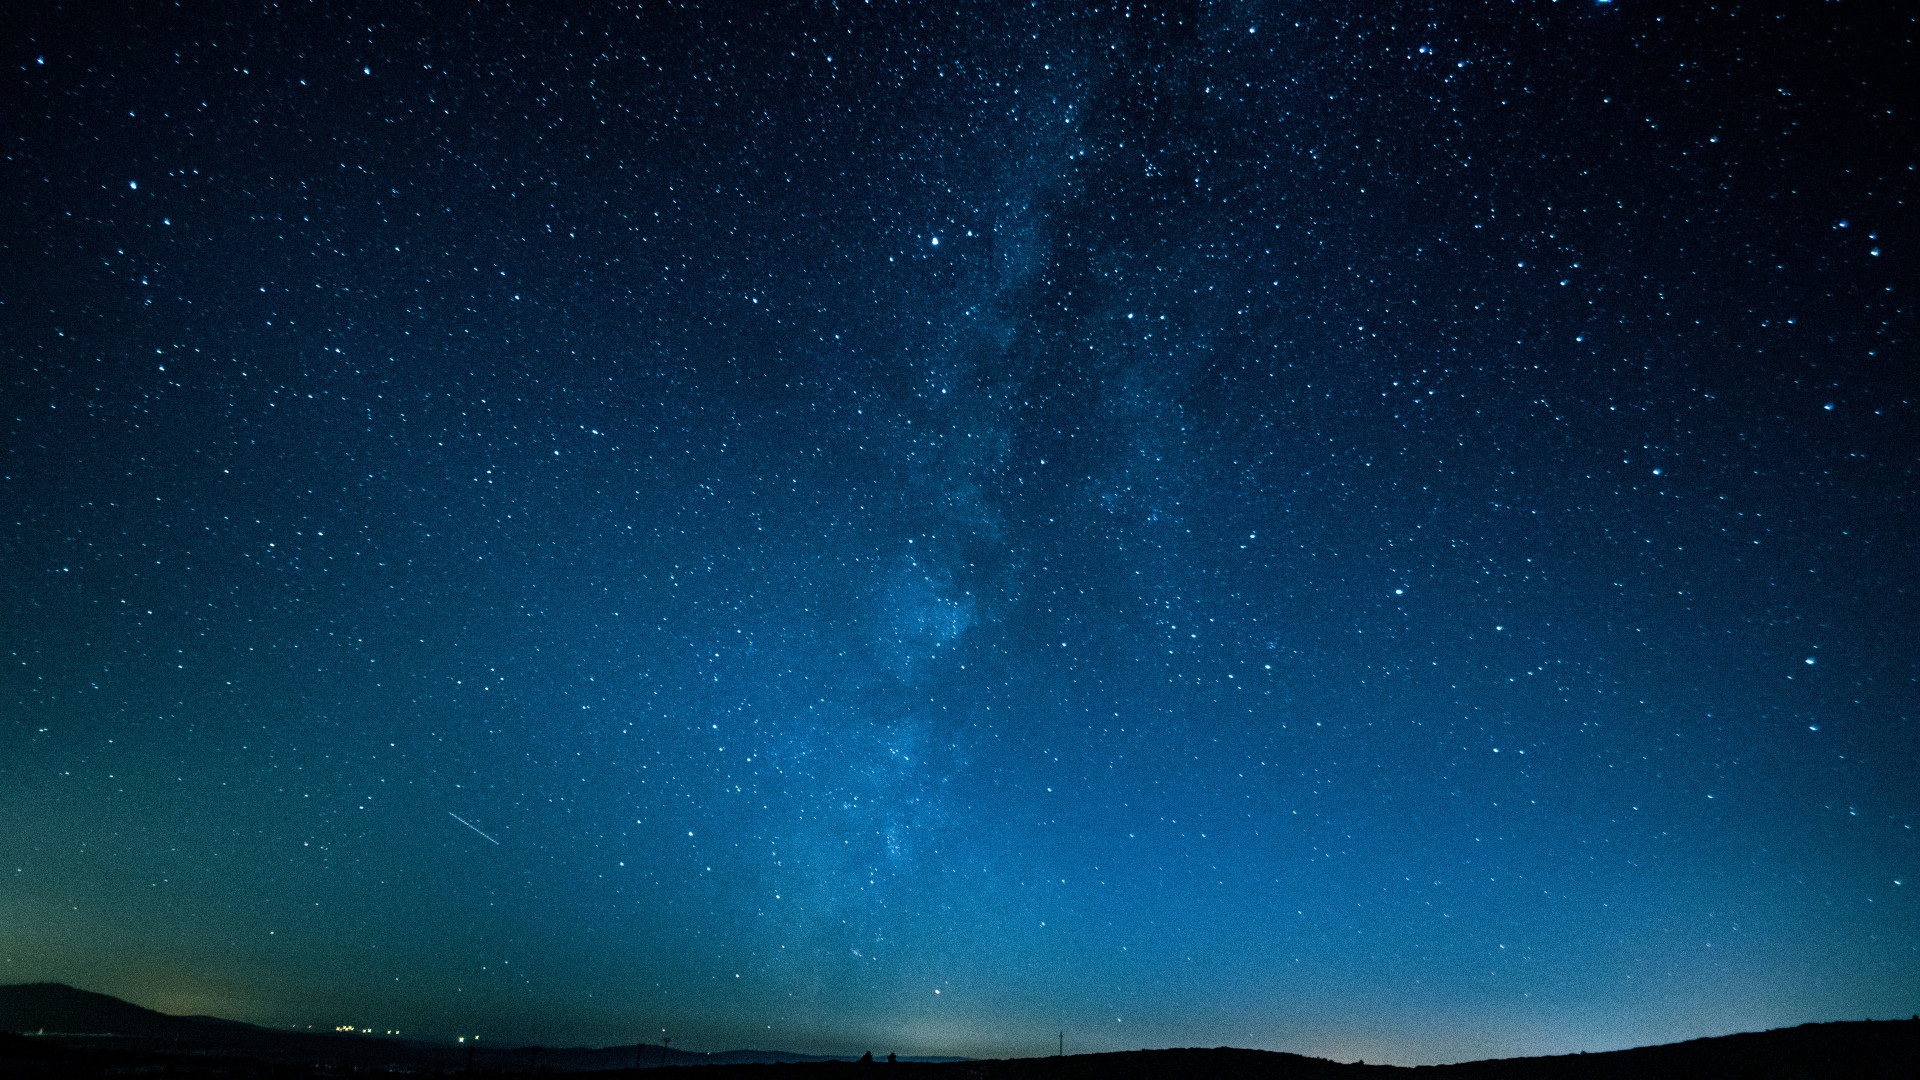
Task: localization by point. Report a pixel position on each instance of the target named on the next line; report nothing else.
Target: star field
(1369, 531)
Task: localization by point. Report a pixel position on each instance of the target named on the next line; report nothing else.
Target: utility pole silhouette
(664, 1040)
(1063, 1043)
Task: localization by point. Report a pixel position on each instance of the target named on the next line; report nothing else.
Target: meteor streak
(468, 824)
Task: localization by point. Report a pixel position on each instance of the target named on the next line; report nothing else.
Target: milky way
(1369, 531)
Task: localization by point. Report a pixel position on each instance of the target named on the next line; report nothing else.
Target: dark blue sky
(1371, 531)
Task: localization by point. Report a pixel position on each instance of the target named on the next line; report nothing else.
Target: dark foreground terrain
(82, 1035)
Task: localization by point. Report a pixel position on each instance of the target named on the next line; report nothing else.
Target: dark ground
(1865, 1049)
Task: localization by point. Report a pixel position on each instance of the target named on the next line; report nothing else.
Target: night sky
(1368, 530)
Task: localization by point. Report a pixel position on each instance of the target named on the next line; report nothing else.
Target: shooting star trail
(468, 824)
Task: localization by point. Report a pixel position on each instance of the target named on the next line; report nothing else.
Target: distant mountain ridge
(56, 1008)
(94, 1034)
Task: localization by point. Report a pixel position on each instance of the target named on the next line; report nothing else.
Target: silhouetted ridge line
(90, 1034)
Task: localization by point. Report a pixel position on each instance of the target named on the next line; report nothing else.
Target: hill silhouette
(52, 1030)
(58, 1008)
(61, 1016)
